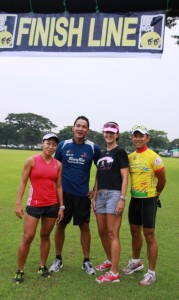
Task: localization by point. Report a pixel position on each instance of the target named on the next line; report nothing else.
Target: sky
(129, 91)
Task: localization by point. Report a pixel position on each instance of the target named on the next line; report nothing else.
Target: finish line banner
(97, 34)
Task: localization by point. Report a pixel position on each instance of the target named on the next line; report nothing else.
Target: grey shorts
(106, 201)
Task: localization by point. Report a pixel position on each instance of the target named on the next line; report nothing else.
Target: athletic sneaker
(18, 278)
(87, 266)
(148, 279)
(44, 271)
(108, 277)
(56, 266)
(133, 267)
(106, 265)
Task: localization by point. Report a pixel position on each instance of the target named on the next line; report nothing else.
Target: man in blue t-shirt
(76, 156)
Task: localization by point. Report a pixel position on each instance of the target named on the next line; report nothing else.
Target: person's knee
(149, 236)
(136, 233)
(85, 228)
(102, 232)
(135, 230)
(28, 238)
(45, 236)
(112, 234)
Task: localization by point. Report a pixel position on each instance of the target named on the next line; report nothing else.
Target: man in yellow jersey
(148, 179)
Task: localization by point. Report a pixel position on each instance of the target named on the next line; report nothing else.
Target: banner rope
(167, 9)
(97, 8)
(64, 4)
(31, 5)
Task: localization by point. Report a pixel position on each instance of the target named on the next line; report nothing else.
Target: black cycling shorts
(142, 211)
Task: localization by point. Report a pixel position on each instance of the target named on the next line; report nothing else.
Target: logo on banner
(7, 30)
(151, 32)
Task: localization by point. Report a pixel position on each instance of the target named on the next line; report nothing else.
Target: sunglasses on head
(138, 127)
(112, 125)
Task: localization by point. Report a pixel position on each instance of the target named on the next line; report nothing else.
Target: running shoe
(148, 279)
(56, 266)
(87, 266)
(106, 265)
(44, 271)
(133, 267)
(108, 277)
(18, 278)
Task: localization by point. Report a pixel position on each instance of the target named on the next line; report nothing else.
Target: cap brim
(110, 129)
(140, 130)
(50, 136)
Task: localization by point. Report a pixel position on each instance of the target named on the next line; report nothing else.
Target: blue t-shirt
(76, 160)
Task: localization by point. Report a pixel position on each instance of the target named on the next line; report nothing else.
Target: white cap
(50, 136)
(141, 129)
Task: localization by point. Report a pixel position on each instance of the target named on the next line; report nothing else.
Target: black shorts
(142, 211)
(78, 207)
(50, 211)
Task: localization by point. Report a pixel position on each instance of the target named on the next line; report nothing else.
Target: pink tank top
(42, 182)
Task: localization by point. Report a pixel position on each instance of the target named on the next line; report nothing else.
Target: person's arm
(58, 155)
(97, 154)
(121, 204)
(160, 174)
(95, 189)
(60, 193)
(92, 193)
(24, 179)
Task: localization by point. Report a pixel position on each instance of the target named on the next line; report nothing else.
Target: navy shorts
(142, 211)
(78, 207)
(50, 211)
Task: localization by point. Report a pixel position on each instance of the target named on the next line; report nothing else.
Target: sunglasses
(138, 127)
(111, 125)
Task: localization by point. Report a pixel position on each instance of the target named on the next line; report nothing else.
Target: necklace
(107, 151)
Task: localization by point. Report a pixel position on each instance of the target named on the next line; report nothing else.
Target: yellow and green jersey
(143, 165)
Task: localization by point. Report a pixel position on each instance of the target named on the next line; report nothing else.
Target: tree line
(27, 129)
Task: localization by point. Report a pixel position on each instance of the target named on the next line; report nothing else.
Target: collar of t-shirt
(142, 149)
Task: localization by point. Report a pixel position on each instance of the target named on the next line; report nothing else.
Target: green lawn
(72, 282)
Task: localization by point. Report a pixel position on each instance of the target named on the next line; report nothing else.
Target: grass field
(72, 282)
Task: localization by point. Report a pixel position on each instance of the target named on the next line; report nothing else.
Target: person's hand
(91, 194)
(120, 208)
(19, 211)
(60, 215)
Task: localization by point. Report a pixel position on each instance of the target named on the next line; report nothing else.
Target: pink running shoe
(106, 265)
(108, 277)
